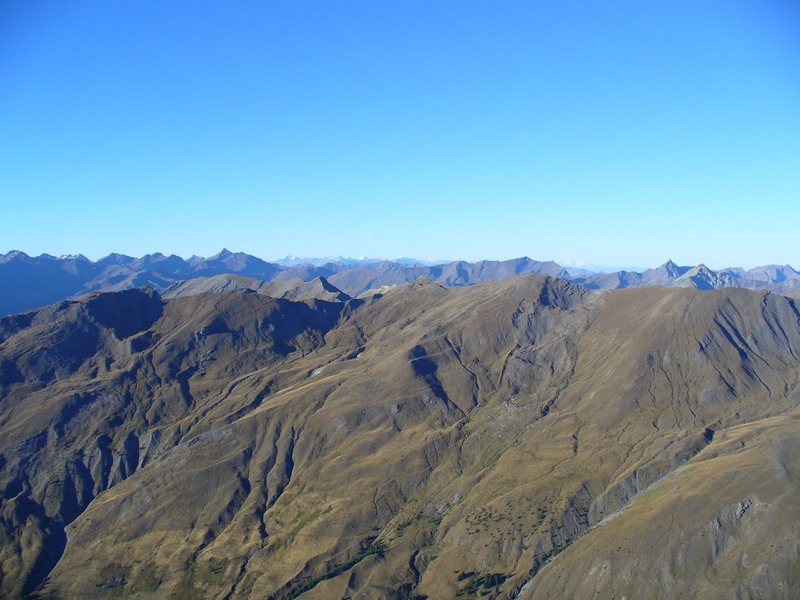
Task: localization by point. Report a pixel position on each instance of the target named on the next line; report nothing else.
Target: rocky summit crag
(521, 438)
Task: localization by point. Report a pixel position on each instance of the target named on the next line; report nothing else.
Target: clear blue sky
(618, 132)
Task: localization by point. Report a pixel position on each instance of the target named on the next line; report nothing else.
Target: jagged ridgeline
(31, 282)
(523, 438)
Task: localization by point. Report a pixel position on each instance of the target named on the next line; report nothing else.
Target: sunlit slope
(524, 434)
(724, 525)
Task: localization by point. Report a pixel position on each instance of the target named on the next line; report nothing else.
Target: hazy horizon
(289, 258)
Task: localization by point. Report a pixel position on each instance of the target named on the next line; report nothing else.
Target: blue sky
(616, 132)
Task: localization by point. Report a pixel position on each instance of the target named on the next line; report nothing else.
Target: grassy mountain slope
(502, 439)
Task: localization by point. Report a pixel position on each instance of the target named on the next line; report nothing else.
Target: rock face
(519, 438)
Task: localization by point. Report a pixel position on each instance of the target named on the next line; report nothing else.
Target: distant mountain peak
(12, 255)
(116, 258)
(80, 257)
(671, 268)
(669, 271)
(222, 254)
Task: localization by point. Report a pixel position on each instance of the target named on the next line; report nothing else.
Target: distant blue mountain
(295, 261)
(29, 282)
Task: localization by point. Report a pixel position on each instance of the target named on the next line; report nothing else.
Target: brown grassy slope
(378, 423)
(91, 393)
(722, 526)
(725, 362)
(433, 440)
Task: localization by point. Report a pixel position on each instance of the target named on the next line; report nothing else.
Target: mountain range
(32, 282)
(524, 437)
